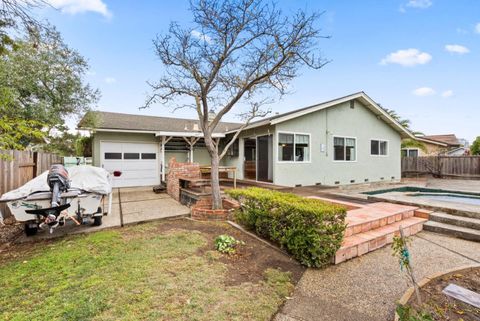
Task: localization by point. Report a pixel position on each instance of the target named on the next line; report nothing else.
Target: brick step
(376, 215)
(453, 230)
(361, 243)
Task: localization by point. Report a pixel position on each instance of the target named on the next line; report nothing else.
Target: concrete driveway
(137, 204)
(366, 288)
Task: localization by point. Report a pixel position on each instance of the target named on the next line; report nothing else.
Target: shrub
(311, 230)
(226, 244)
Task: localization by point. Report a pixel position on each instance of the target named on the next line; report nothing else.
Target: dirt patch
(251, 259)
(442, 307)
(9, 232)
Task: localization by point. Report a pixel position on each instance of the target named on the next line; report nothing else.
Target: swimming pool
(432, 194)
(455, 198)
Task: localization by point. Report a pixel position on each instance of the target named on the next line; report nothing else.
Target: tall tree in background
(234, 54)
(46, 78)
(475, 148)
(406, 143)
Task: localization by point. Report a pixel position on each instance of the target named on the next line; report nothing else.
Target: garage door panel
(138, 163)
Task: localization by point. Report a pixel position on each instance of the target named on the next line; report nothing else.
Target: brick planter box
(202, 210)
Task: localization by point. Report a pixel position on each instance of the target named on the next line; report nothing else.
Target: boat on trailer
(80, 194)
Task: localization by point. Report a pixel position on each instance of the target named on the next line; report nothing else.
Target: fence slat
(453, 166)
(20, 167)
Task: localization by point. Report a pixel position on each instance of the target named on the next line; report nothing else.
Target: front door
(264, 158)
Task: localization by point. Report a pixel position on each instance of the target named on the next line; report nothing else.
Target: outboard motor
(58, 181)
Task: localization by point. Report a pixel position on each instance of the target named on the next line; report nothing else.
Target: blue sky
(419, 57)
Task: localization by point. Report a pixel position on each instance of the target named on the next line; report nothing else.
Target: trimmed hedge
(310, 230)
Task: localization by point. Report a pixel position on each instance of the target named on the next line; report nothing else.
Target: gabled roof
(108, 121)
(360, 96)
(449, 139)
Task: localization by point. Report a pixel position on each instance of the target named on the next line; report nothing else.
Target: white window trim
(409, 149)
(294, 161)
(380, 140)
(333, 151)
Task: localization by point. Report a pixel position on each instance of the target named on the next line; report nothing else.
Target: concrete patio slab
(137, 205)
(366, 288)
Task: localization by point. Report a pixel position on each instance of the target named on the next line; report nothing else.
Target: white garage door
(138, 163)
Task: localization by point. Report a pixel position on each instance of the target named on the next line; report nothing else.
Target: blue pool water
(434, 194)
(465, 199)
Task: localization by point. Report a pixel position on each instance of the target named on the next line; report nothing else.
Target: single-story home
(347, 140)
(435, 145)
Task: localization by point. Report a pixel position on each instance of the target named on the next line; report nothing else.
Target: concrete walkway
(138, 204)
(366, 288)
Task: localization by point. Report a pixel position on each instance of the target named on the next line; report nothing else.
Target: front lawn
(156, 271)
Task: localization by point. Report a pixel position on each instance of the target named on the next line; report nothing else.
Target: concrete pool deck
(366, 289)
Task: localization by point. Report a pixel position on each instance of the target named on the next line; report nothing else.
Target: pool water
(465, 199)
(434, 194)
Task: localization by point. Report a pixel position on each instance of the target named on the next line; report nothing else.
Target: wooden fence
(20, 167)
(442, 166)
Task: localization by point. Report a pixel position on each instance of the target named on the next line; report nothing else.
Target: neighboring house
(433, 145)
(343, 141)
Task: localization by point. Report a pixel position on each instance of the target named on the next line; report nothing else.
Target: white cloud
(81, 6)
(197, 34)
(458, 49)
(477, 28)
(407, 57)
(424, 91)
(110, 80)
(447, 93)
(421, 4)
(462, 31)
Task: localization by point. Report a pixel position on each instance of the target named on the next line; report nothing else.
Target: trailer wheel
(30, 231)
(97, 220)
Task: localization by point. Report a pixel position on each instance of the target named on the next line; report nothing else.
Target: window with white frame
(344, 149)
(293, 147)
(410, 152)
(378, 147)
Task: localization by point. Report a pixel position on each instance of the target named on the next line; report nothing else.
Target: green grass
(136, 274)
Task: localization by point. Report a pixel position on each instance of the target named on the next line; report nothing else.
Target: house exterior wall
(344, 121)
(322, 126)
(250, 133)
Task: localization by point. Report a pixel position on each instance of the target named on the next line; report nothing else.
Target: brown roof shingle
(449, 139)
(119, 121)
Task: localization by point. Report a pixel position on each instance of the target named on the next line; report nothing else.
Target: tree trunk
(215, 182)
(214, 176)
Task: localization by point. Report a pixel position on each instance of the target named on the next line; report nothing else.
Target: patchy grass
(139, 273)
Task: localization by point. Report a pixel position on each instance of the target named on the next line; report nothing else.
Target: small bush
(311, 230)
(406, 313)
(227, 244)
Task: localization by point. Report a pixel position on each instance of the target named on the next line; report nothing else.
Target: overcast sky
(419, 57)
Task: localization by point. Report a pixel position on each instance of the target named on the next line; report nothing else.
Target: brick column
(176, 170)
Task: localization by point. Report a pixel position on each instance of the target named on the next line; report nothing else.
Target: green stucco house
(348, 140)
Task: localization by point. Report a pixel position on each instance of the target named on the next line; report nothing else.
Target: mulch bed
(442, 307)
(250, 260)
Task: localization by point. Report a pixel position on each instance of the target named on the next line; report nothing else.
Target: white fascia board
(187, 134)
(430, 141)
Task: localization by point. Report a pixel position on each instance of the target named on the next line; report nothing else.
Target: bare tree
(20, 11)
(233, 54)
